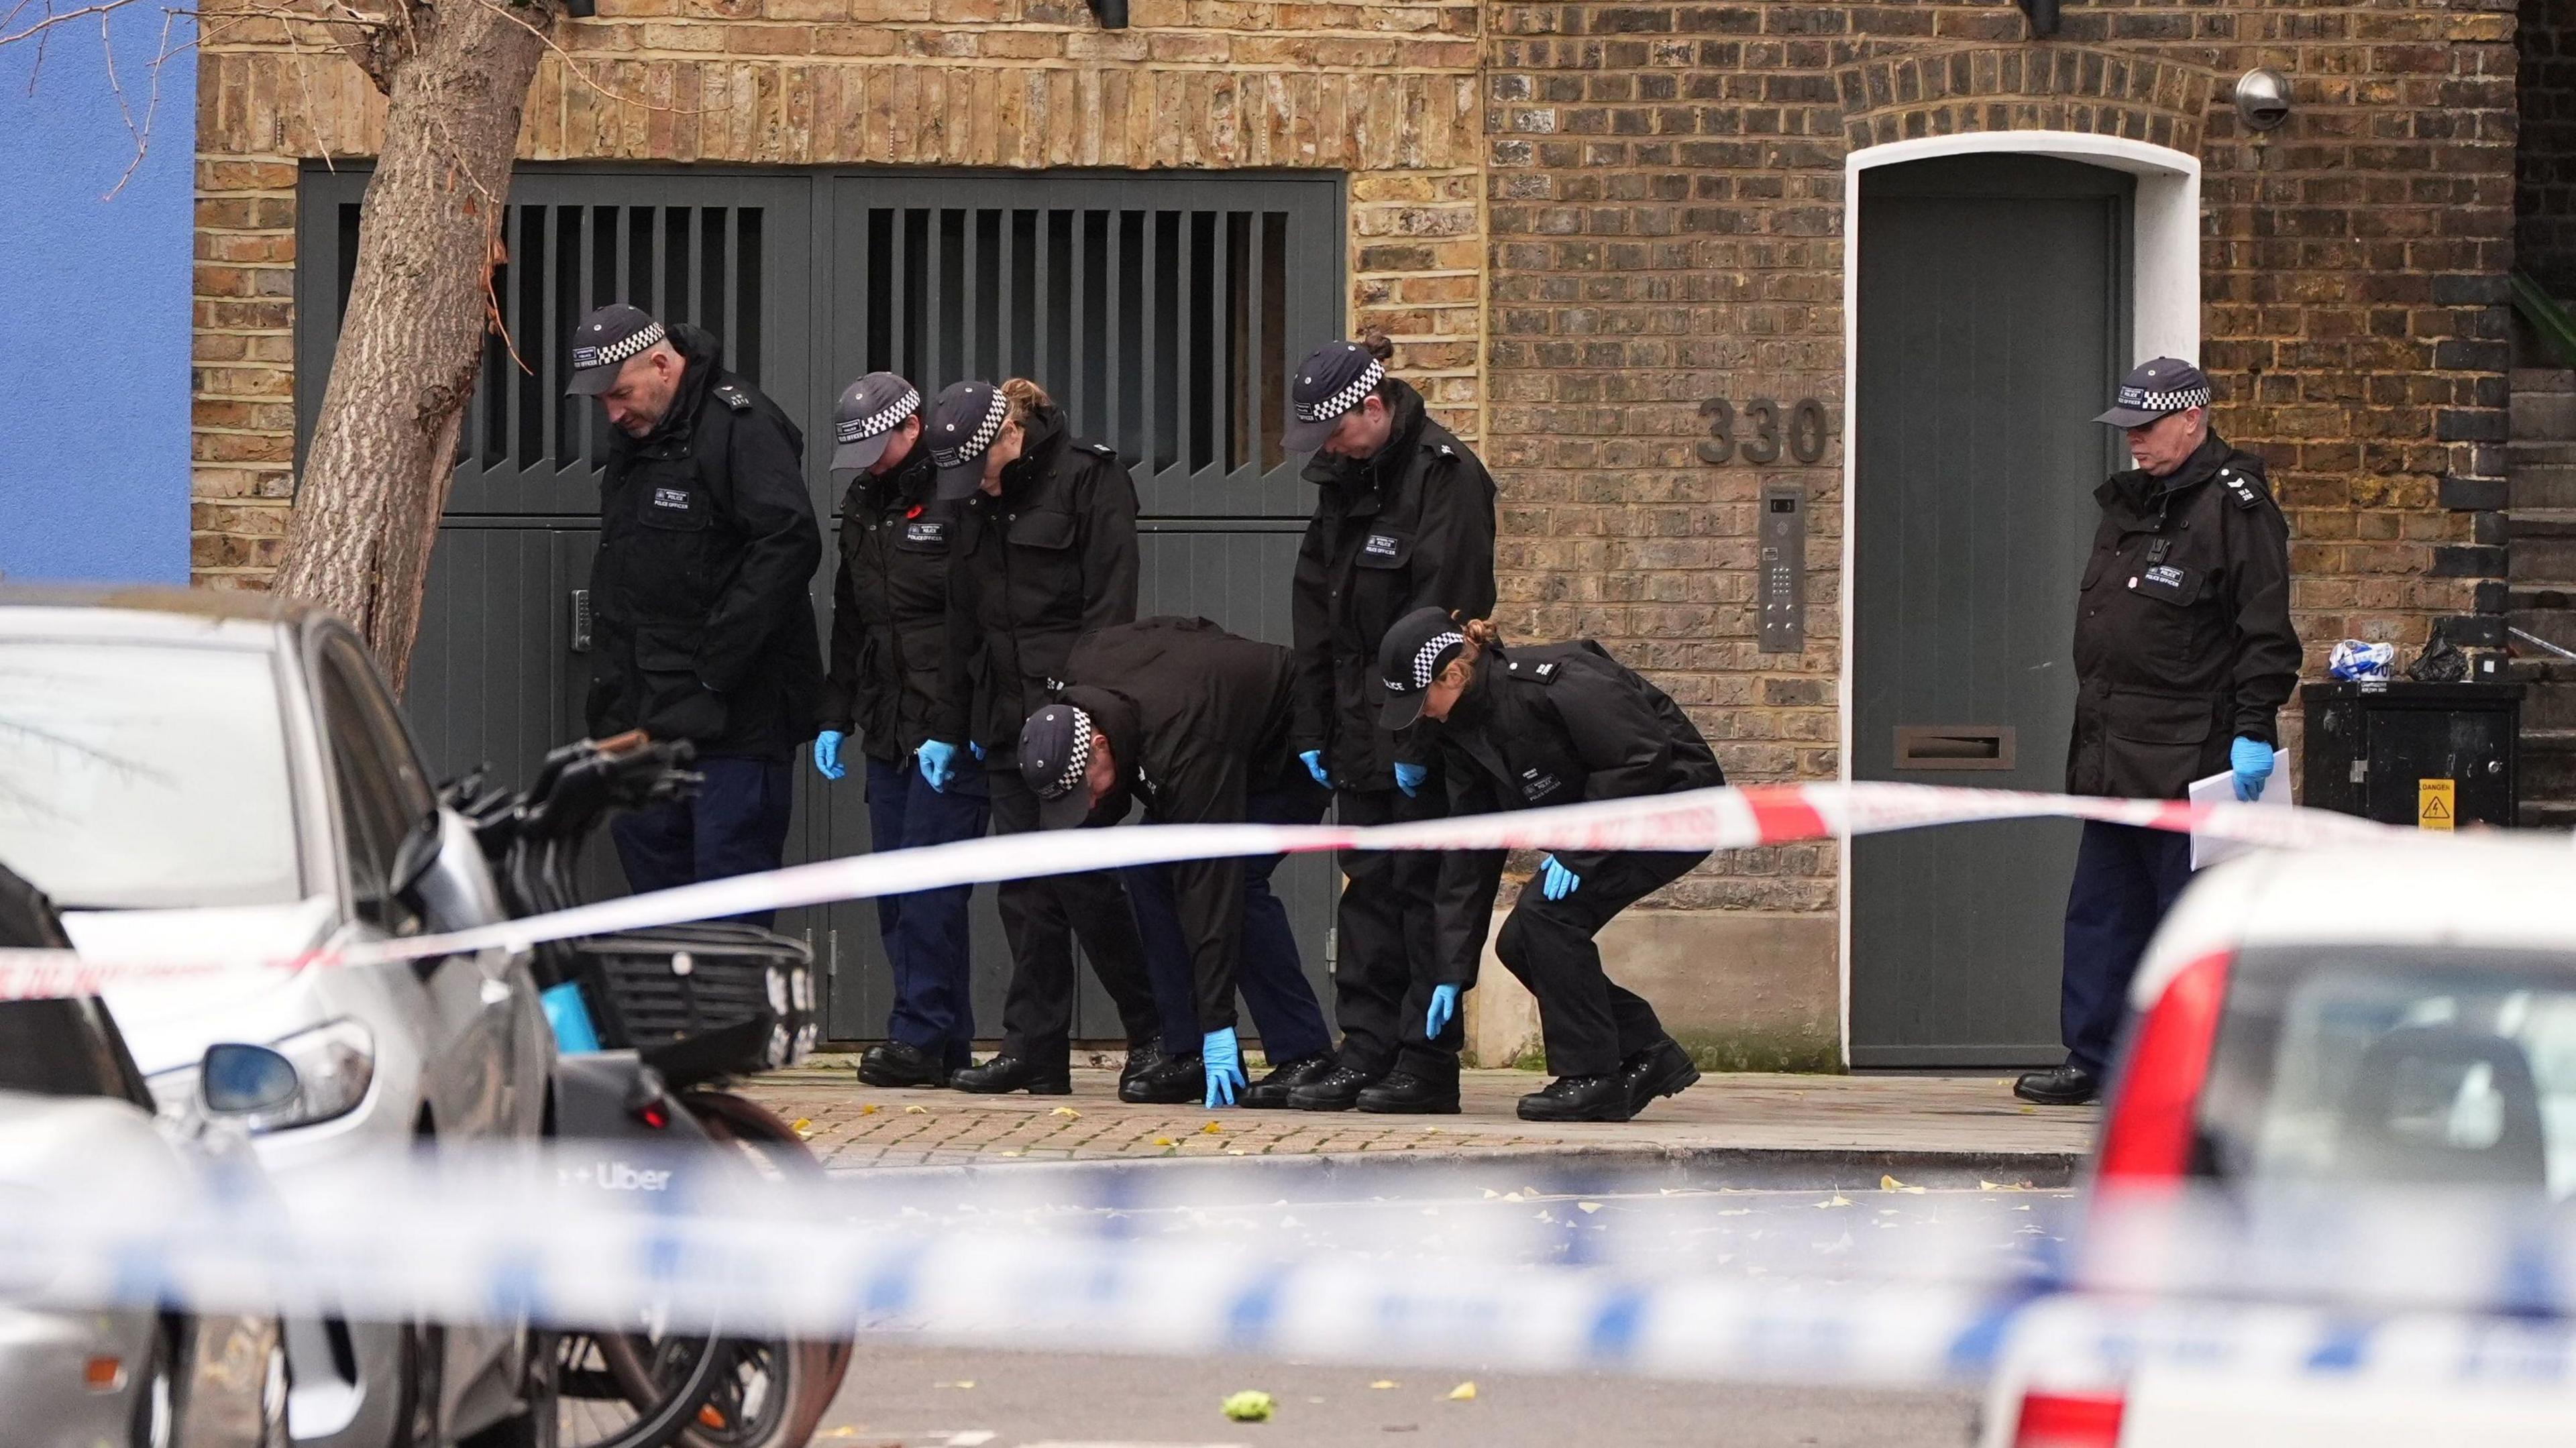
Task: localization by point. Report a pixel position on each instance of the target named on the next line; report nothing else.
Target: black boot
(2067, 1085)
(1006, 1072)
(1580, 1098)
(892, 1063)
(1271, 1091)
(1662, 1069)
(1405, 1093)
(1336, 1090)
(1167, 1081)
(1142, 1056)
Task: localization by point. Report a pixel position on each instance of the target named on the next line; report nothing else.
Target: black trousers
(736, 824)
(2125, 880)
(1382, 968)
(1588, 1022)
(1041, 918)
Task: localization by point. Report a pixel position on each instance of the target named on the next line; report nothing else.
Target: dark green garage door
(1993, 296)
(1162, 311)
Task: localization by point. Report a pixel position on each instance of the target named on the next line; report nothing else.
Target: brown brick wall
(2545, 202)
(1667, 214)
(1385, 92)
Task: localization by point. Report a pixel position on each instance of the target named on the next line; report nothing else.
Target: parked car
(2381, 1035)
(202, 771)
(73, 1103)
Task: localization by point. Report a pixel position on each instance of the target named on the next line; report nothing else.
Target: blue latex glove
(1223, 1059)
(1444, 1008)
(2252, 761)
(1313, 759)
(978, 748)
(827, 754)
(1409, 777)
(1556, 881)
(938, 762)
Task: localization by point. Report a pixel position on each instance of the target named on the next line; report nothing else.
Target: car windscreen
(2385, 1067)
(63, 1048)
(145, 776)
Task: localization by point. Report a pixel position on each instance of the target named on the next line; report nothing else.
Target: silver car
(72, 1105)
(195, 772)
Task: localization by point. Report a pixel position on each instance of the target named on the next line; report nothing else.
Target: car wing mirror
(241, 1080)
(417, 855)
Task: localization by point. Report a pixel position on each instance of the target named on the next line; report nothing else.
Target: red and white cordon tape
(1706, 819)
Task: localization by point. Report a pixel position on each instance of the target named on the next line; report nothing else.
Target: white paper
(2220, 788)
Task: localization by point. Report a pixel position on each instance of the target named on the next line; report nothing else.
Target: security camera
(2263, 98)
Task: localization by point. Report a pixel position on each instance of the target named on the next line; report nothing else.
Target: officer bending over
(2184, 654)
(889, 645)
(1404, 519)
(1551, 724)
(1193, 721)
(702, 629)
(1045, 552)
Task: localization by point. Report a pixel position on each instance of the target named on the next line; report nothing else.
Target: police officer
(1045, 552)
(2184, 654)
(889, 645)
(1193, 721)
(1404, 519)
(1543, 725)
(702, 627)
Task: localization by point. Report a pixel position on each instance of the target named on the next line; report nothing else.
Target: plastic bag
(2354, 659)
(2440, 663)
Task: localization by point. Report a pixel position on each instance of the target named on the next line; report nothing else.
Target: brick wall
(2545, 199)
(1667, 214)
(1383, 91)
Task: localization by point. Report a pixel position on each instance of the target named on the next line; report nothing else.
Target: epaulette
(1102, 448)
(733, 396)
(1541, 671)
(2239, 488)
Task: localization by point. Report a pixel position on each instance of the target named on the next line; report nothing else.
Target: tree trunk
(411, 342)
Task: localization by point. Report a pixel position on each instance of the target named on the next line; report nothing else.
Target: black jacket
(890, 608)
(703, 628)
(1050, 559)
(1197, 721)
(2182, 632)
(1549, 724)
(1409, 528)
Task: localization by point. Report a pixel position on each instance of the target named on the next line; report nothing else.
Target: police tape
(601, 1238)
(1709, 819)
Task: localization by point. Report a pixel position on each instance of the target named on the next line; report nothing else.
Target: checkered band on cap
(1346, 399)
(609, 354)
(972, 446)
(860, 429)
(2149, 400)
(1077, 761)
(1426, 659)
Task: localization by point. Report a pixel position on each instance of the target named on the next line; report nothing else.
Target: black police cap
(1412, 655)
(1335, 378)
(869, 412)
(2155, 388)
(1055, 763)
(603, 342)
(963, 423)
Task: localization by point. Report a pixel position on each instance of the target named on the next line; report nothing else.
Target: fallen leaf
(1491, 1194)
(1891, 1184)
(799, 1125)
(1589, 1207)
(1511, 1196)
(916, 1111)
(1211, 1129)
(1986, 1186)
(1162, 1141)
(1383, 1383)
(1463, 1393)
(960, 1383)
(2030, 1111)
(1010, 1153)
(1250, 1406)
(870, 1109)
(1234, 1151)
(1066, 1111)
(1839, 1200)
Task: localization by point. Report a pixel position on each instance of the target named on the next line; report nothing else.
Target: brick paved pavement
(853, 1126)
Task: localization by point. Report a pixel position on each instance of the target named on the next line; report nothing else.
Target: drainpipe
(2043, 17)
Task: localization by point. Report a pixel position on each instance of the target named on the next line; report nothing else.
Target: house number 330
(1760, 420)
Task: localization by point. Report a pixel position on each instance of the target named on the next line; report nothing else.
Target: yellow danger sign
(2436, 803)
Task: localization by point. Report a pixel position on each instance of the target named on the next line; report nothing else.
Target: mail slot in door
(1954, 746)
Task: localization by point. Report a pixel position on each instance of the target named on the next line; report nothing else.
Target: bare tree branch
(54, 17)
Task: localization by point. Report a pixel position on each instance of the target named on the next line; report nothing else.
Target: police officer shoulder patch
(1102, 448)
(2240, 488)
(733, 396)
(1541, 671)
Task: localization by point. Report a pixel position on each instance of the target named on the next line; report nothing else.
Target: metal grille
(1158, 328)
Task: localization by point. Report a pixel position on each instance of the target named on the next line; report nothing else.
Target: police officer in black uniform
(2184, 655)
(1045, 552)
(1193, 721)
(1541, 725)
(1404, 519)
(702, 626)
(889, 646)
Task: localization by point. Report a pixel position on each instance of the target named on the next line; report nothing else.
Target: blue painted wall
(95, 297)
